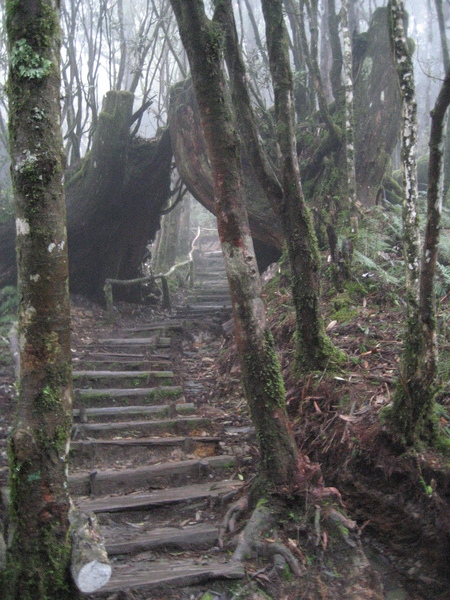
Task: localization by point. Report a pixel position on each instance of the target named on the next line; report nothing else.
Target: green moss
(41, 571)
(57, 379)
(48, 399)
(266, 373)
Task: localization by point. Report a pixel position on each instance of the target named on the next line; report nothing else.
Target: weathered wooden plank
(126, 480)
(166, 325)
(122, 374)
(161, 391)
(119, 411)
(150, 575)
(177, 425)
(188, 493)
(158, 342)
(172, 440)
(192, 536)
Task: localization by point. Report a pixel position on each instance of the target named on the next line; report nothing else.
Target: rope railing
(108, 287)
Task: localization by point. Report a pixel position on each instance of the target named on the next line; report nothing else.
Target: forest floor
(399, 501)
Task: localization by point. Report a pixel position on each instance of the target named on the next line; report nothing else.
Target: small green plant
(28, 63)
(427, 488)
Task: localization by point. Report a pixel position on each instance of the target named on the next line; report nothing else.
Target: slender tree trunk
(349, 120)
(38, 559)
(263, 383)
(412, 407)
(446, 63)
(315, 348)
(352, 229)
(427, 296)
(336, 53)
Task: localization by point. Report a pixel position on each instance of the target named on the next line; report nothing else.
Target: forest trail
(146, 461)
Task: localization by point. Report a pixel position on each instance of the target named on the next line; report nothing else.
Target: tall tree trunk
(349, 120)
(377, 105)
(410, 415)
(349, 129)
(427, 295)
(38, 559)
(315, 350)
(446, 63)
(263, 383)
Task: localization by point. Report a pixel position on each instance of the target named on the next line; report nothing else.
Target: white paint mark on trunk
(22, 227)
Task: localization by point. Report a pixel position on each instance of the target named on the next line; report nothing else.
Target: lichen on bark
(411, 416)
(38, 557)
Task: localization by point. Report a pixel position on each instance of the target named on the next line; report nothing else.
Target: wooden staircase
(144, 460)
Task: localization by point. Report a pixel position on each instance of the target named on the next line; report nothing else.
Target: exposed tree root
(251, 544)
(229, 520)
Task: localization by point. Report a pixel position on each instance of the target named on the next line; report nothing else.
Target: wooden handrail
(108, 289)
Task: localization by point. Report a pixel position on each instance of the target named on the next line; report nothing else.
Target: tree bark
(192, 162)
(446, 63)
(411, 414)
(377, 106)
(349, 113)
(315, 350)
(427, 294)
(39, 555)
(260, 368)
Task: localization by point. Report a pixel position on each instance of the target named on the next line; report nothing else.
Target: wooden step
(224, 489)
(157, 342)
(152, 442)
(125, 481)
(135, 452)
(147, 575)
(114, 363)
(122, 374)
(177, 426)
(114, 413)
(208, 306)
(127, 395)
(170, 324)
(138, 378)
(130, 541)
(209, 296)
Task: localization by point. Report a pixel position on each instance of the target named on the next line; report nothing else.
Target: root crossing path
(147, 462)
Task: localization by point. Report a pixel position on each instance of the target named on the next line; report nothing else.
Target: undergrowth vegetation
(379, 249)
(366, 316)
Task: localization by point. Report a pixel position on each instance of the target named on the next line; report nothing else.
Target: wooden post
(166, 293)
(108, 295)
(191, 274)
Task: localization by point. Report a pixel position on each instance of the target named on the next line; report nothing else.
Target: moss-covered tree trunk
(427, 293)
(202, 39)
(38, 558)
(315, 348)
(411, 414)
